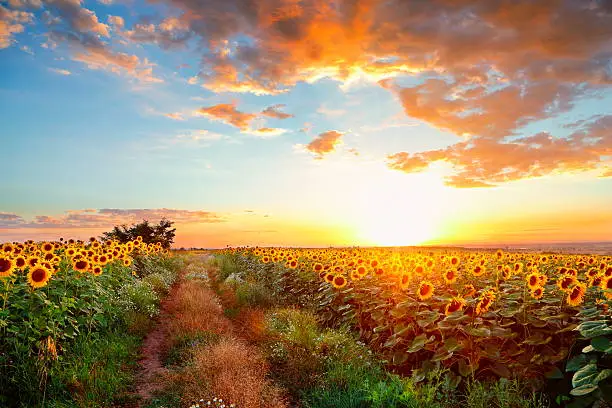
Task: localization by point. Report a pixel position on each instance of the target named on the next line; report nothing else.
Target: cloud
(117, 22)
(265, 132)
(171, 32)
(11, 23)
(60, 71)
(274, 112)
(175, 116)
(107, 218)
(68, 22)
(325, 143)
(8, 220)
(227, 113)
(483, 162)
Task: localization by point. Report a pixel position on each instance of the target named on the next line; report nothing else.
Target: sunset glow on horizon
(308, 123)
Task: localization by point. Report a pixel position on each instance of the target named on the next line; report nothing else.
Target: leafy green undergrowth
(82, 335)
(330, 368)
(95, 371)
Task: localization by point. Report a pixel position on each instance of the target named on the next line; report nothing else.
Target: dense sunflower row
(425, 274)
(39, 261)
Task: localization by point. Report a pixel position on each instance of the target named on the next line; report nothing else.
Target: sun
(404, 210)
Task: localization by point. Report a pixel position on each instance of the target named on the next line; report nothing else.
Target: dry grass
(233, 371)
(251, 322)
(196, 309)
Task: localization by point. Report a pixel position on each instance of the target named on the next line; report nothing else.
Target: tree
(150, 233)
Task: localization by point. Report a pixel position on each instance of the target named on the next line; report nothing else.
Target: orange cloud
(107, 218)
(227, 113)
(11, 23)
(483, 162)
(324, 143)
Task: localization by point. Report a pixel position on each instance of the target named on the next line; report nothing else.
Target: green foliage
(592, 367)
(95, 370)
(503, 393)
(43, 329)
(252, 294)
(162, 233)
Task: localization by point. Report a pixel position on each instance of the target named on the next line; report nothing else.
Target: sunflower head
(478, 270)
(533, 280)
(450, 276)
(565, 282)
(339, 281)
(455, 305)
(80, 265)
(576, 294)
(537, 293)
(38, 276)
(7, 266)
(47, 247)
(426, 290)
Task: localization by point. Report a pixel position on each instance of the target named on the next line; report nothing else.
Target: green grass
(95, 371)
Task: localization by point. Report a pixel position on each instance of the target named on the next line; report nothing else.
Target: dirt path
(153, 347)
(229, 368)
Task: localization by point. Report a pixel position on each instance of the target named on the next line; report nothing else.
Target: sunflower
(293, 264)
(499, 253)
(20, 262)
(455, 305)
(339, 282)
(565, 282)
(317, 267)
(576, 294)
(606, 285)
(485, 302)
(537, 293)
(355, 275)
(47, 247)
(96, 270)
(450, 276)
(80, 265)
(39, 276)
(454, 261)
(426, 290)
(478, 270)
(33, 261)
(361, 270)
(7, 247)
(533, 280)
(7, 265)
(329, 278)
(506, 273)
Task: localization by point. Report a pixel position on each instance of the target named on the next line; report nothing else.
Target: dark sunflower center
(5, 265)
(38, 275)
(81, 264)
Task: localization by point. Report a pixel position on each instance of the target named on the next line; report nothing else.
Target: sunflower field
(61, 302)
(544, 318)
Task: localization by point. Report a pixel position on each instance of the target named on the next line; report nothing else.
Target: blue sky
(161, 107)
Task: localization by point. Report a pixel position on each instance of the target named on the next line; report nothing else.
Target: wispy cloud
(60, 71)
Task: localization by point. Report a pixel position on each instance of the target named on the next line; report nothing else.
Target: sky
(308, 122)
